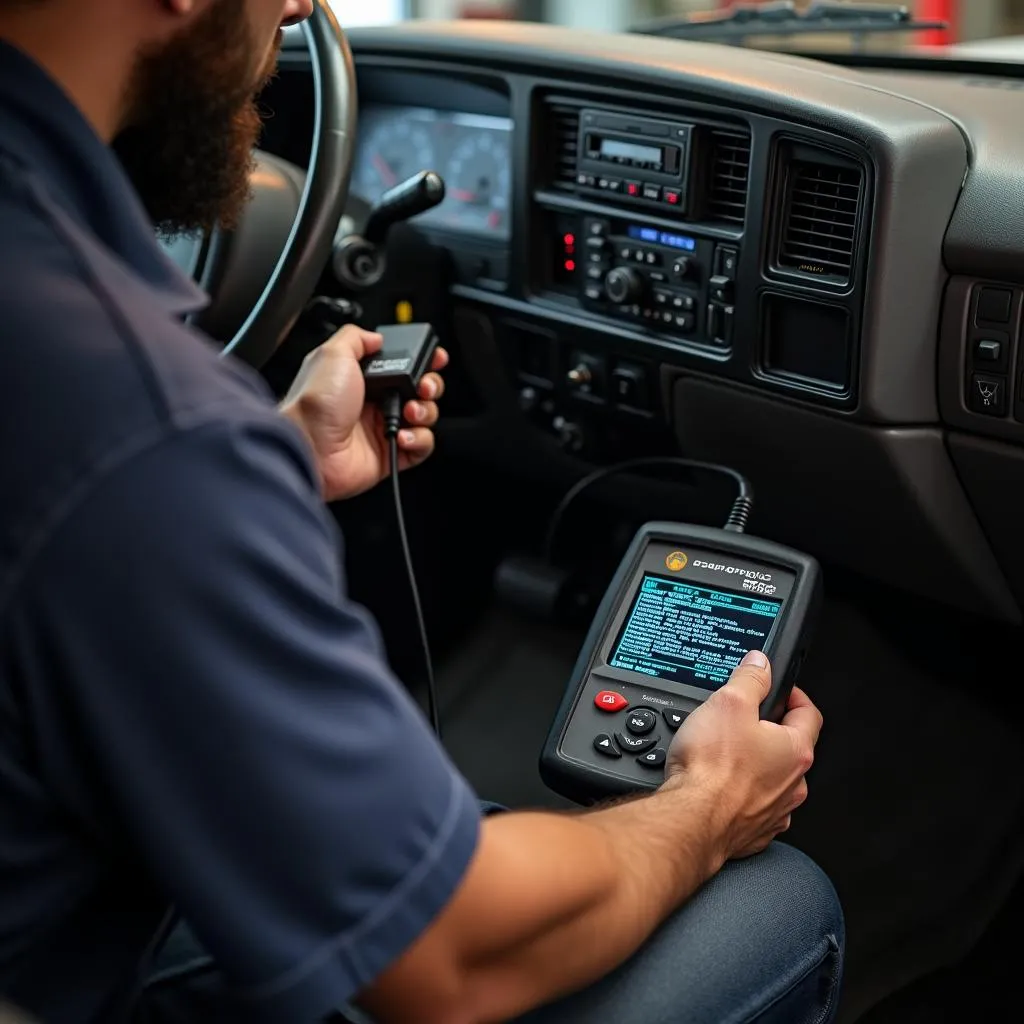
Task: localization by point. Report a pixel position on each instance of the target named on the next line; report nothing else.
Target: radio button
(672, 197)
(686, 322)
(657, 276)
(596, 227)
(684, 302)
(595, 272)
(596, 242)
(596, 257)
(586, 180)
(653, 259)
(682, 266)
(652, 192)
(634, 189)
(667, 317)
(594, 292)
(614, 184)
(661, 298)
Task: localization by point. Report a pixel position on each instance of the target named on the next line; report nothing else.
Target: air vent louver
(819, 221)
(563, 133)
(730, 174)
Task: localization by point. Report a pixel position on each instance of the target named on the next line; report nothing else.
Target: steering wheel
(261, 275)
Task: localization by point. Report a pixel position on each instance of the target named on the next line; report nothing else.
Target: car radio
(642, 160)
(671, 281)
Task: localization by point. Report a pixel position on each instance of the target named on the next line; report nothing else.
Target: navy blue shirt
(191, 710)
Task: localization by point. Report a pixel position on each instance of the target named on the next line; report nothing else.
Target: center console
(645, 214)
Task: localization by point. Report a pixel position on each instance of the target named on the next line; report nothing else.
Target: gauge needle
(382, 168)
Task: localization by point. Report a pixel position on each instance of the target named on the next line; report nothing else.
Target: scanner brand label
(396, 365)
(754, 580)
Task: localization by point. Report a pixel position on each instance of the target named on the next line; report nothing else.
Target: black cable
(391, 409)
(739, 514)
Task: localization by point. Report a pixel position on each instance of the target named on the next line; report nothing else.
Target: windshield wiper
(781, 18)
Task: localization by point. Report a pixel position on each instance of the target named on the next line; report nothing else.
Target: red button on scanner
(609, 700)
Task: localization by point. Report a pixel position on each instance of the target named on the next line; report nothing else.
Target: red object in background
(924, 10)
(937, 10)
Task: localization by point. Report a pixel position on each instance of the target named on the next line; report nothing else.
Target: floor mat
(916, 794)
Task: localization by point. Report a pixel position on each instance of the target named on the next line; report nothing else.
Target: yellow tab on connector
(403, 312)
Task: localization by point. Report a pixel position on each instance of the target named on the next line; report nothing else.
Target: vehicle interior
(809, 269)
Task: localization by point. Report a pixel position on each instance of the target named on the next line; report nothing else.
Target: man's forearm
(553, 902)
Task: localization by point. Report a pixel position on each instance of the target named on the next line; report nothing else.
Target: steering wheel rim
(322, 204)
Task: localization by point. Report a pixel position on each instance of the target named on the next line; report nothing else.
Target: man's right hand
(754, 771)
(553, 902)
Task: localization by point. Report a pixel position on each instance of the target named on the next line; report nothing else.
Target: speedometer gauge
(392, 151)
(478, 181)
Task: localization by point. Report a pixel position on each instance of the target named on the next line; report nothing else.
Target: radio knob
(624, 285)
(682, 266)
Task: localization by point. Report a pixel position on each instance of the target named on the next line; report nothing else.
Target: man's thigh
(761, 942)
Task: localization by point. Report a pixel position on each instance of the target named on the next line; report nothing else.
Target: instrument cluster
(471, 152)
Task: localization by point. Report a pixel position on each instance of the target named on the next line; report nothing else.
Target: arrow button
(603, 745)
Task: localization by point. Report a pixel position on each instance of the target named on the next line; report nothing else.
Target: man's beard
(194, 122)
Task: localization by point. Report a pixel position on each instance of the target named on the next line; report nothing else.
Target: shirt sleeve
(195, 666)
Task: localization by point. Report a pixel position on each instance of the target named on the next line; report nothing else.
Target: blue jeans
(761, 943)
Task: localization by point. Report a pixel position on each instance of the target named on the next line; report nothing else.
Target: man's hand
(327, 402)
(551, 903)
(753, 769)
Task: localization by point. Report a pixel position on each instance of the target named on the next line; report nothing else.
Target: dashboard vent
(730, 175)
(820, 214)
(563, 133)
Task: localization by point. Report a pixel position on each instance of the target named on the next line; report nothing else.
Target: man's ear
(180, 6)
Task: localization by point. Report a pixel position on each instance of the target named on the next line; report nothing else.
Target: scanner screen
(691, 634)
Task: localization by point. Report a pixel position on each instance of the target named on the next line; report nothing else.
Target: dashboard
(812, 273)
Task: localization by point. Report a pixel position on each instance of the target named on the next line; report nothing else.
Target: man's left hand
(327, 402)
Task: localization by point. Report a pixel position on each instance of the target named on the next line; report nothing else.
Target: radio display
(689, 633)
(616, 149)
(656, 237)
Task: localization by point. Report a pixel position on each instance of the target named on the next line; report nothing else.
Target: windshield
(976, 29)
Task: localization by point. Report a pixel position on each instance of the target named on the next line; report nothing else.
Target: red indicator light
(570, 265)
(569, 240)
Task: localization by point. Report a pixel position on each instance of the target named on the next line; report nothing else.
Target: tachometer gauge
(392, 151)
(478, 181)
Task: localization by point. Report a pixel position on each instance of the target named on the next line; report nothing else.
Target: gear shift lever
(358, 260)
